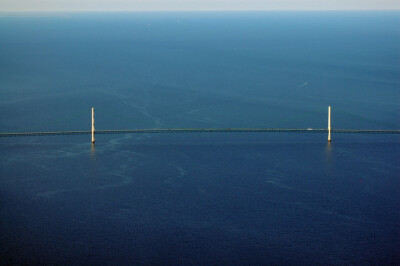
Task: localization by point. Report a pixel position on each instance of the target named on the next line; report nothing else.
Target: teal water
(200, 198)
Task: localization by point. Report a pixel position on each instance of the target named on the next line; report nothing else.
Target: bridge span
(329, 130)
(202, 130)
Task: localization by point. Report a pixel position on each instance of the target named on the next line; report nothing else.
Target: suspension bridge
(92, 132)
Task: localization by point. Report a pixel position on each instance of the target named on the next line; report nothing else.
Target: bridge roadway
(203, 130)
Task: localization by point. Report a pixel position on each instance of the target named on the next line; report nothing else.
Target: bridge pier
(329, 123)
(93, 140)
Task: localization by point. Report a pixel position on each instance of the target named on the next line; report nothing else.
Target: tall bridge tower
(329, 123)
(93, 140)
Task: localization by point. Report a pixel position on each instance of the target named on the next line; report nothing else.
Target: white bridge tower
(93, 140)
(329, 123)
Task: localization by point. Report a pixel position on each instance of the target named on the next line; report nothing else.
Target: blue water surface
(213, 198)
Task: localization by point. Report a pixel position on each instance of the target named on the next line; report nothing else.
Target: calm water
(200, 198)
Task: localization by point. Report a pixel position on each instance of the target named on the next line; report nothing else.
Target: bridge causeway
(329, 131)
(202, 130)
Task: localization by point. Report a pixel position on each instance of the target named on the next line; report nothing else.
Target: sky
(195, 5)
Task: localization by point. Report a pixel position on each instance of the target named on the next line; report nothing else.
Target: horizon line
(193, 10)
(203, 9)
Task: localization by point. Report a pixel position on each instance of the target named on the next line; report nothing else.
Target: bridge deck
(202, 130)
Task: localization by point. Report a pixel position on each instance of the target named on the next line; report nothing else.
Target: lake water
(216, 198)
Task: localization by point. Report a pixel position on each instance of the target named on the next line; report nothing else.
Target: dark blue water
(244, 198)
